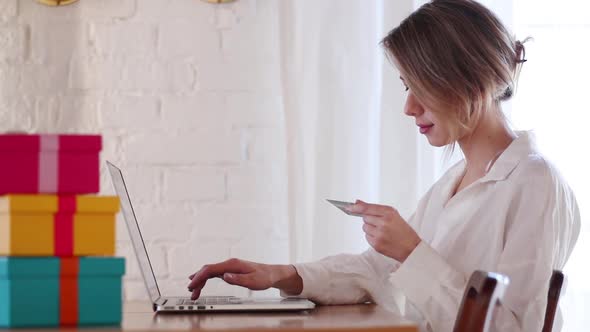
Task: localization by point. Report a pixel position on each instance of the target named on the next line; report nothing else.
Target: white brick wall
(13, 40)
(7, 10)
(187, 97)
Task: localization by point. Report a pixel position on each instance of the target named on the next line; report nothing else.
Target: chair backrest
(555, 285)
(484, 290)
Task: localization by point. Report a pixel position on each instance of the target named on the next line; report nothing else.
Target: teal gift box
(53, 291)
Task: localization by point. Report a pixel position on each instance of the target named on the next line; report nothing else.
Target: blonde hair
(457, 58)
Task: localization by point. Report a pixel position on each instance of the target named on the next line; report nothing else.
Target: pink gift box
(52, 164)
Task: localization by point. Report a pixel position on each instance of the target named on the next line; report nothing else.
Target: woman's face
(428, 122)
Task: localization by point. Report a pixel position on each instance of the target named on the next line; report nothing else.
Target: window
(552, 100)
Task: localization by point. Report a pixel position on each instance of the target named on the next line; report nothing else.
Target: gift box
(65, 164)
(64, 226)
(60, 291)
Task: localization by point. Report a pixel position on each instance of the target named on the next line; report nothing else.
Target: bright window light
(552, 100)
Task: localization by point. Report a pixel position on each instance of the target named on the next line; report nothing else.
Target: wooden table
(138, 316)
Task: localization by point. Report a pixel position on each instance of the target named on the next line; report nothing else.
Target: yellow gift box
(52, 225)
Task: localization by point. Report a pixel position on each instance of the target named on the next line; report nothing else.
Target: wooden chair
(555, 285)
(484, 290)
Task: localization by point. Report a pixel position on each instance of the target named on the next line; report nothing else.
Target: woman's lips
(425, 128)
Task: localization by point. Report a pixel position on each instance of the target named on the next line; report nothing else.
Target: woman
(504, 208)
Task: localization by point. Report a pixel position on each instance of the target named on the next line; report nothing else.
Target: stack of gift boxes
(56, 239)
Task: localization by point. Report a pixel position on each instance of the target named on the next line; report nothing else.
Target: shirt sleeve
(539, 215)
(346, 278)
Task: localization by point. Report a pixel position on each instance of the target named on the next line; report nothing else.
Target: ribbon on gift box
(64, 226)
(48, 163)
(68, 291)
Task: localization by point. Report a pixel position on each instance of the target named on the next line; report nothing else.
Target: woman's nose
(412, 107)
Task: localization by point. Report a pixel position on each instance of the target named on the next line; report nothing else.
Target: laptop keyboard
(213, 300)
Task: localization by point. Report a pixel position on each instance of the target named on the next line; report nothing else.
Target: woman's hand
(254, 276)
(386, 231)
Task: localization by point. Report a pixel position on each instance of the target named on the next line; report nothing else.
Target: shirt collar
(522, 146)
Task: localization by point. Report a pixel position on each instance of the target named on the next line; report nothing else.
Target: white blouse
(521, 219)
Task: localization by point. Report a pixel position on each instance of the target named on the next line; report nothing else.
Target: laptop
(185, 304)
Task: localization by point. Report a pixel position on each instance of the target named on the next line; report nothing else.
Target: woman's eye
(407, 88)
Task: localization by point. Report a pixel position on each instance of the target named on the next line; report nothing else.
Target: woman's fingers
(373, 221)
(207, 272)
(370, 239)
(370, 209)
(369, 229)
(195, 294)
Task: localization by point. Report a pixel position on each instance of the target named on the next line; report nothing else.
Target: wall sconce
(55, 3)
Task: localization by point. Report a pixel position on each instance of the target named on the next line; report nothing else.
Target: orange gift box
(51, 225)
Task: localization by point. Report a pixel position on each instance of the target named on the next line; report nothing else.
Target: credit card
(342, 206)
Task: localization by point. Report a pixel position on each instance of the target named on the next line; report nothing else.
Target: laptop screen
(134, 233)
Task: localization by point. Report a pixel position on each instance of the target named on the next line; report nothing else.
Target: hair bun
(507, 94)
